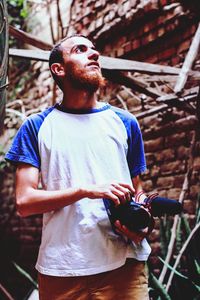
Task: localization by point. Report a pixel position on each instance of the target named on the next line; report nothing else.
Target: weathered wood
(151, 111)
(189, 60)
(28, 38)
(180, 102)
(111, 63)
(108, 63)
(136, 84)
(194, 75)
(41, 55)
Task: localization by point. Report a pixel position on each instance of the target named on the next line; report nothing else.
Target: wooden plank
(28, 38)
(189, 60)
(108, 63)
(111, 63)
(136, 84)
(151, 111)
(30, 54)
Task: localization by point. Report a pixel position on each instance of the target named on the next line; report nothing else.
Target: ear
(58, 69)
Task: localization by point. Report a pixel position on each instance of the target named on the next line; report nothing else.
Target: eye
(80, 48)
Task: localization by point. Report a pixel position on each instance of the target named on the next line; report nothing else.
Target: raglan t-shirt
(74, 148)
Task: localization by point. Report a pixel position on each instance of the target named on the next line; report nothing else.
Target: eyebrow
(78, 45)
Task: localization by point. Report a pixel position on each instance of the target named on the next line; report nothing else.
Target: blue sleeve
(25, 144)
(135, 155)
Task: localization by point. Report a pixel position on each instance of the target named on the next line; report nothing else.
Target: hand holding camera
(137, 216)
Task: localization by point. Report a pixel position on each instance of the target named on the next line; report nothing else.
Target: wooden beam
(28, 38)
(151, 111)
(180, 102)
(189, 60)
(108, 63)
(111, 63)
(136, 84)
(30, 54)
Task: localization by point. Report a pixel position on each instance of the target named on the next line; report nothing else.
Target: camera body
(137, 216)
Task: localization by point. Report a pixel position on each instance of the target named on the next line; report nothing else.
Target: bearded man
(84, 151)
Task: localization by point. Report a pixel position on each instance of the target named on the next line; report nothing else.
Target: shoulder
(36, 120)
(126, 117)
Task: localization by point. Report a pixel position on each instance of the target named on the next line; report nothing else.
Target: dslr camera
(137, 216)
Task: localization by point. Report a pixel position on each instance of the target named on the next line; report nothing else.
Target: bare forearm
(35, 201)
(31, 201)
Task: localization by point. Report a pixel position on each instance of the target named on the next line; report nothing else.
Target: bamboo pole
(189, 60)
(181, 199)
(194, 230)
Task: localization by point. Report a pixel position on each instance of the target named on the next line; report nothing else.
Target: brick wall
(151, 31)
(156, 32)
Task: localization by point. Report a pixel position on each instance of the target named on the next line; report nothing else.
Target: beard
(89, 80)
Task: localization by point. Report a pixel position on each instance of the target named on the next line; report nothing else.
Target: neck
(78, 99)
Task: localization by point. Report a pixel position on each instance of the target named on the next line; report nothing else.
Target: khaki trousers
(129, 282)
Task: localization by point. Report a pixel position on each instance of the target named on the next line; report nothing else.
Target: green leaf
(186, 225)
(179, 274)
(159, 287)
(172, 269)
(23, 272)
(24, 13)
(197, 266)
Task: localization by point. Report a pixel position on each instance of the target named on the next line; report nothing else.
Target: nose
(93, 54)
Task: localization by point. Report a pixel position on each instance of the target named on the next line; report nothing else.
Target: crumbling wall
(152, 31)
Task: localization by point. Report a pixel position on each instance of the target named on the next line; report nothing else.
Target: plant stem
(180, 254)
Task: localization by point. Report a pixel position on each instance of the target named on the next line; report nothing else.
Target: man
(84, 151)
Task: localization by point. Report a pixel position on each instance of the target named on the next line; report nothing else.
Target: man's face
(81, 64)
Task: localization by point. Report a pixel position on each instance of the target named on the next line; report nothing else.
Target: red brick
(155, 171)
(121, 11)
(126, 6)
(133, 3)
(106, 18)
(163, 2)
(173, 167)
(161, 31)
(154, 145)
(167, 53)
(165, 155)
(173, 193)
(136, 44)
(189, 206)
(97, 4)
(183, 152)
(165, 182)
(152, 36)
(149, 26)
(184, 46)
(111, 15)
(120, 52)
(86, 21)
(175, 140)
(99, 22)
(196, 165)
(127, 47)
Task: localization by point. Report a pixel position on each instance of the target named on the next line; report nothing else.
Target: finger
(118, 224)
(129, 187)
(119, 193)
(114, 198)
(122, 192)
